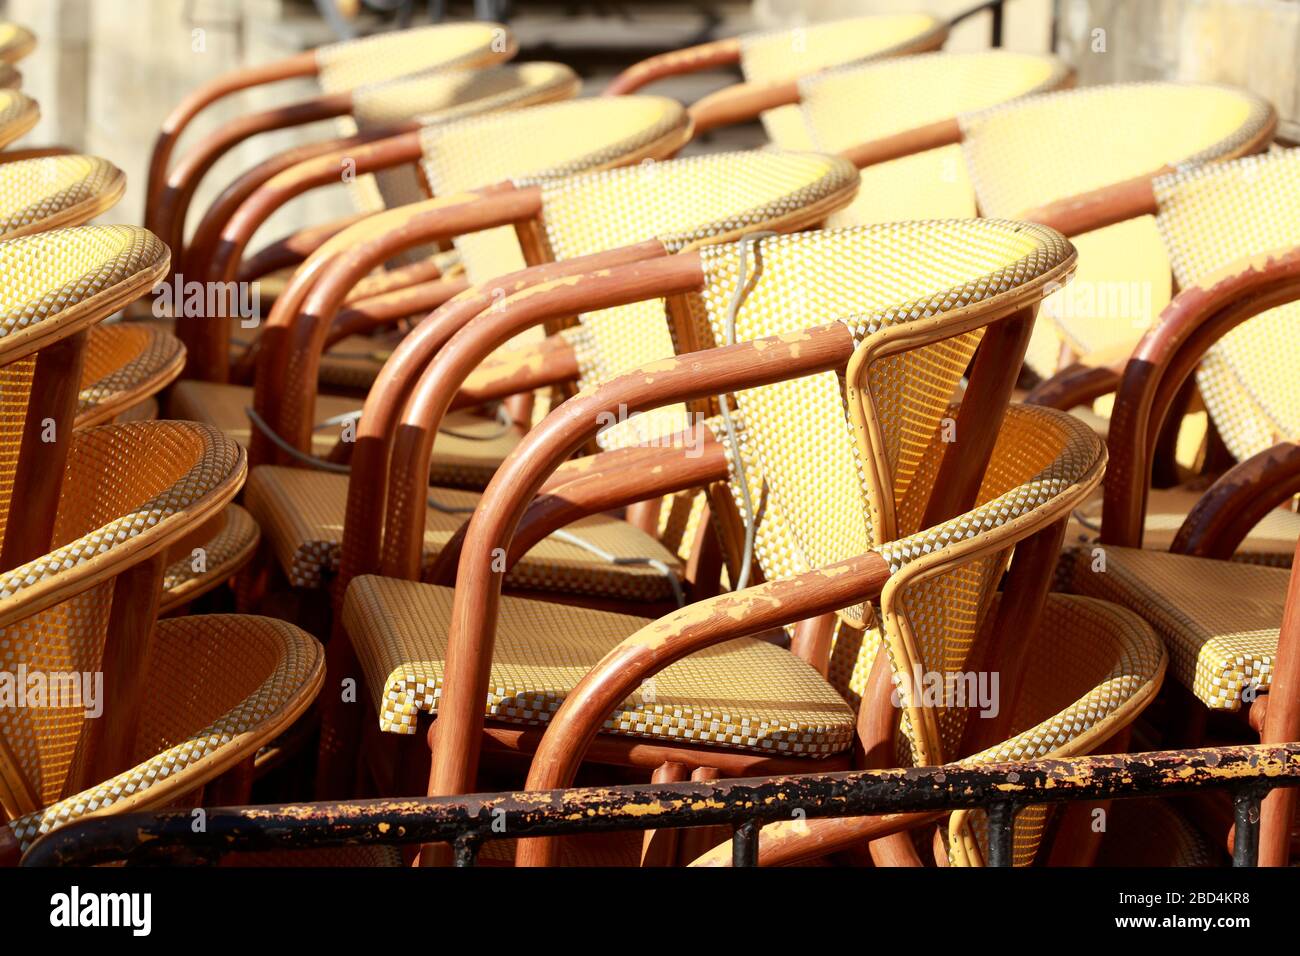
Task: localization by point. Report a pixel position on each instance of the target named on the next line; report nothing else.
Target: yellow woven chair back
(856, 104)
(125, 487)
(826, 496)
(846, 464)
(16, 42)
(352, 63)
(779, 55)
(1209, 218)
(18, 114)
(55, 282)
(533, 145)
(683, 203)
(49, 192)
(443, 97)
(1046, 148)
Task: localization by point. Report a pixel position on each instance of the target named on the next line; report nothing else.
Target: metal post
(1001, 833)
(744, 844)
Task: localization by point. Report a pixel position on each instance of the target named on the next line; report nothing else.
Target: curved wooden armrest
(377, 311)
(740, 103)
(168, 214)
(1240, 499)
(1102, 207)
(368, 488)
(435, 392)
(284, 169)
(478, 587)
(668, 640)
(302, 64)
(397, 148)
(1073, 386)
(295, 332)
(596, 487)
(675, 63)
(916, 140)
(1169, 352)
(293, 248)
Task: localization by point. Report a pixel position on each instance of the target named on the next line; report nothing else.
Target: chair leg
(696, 841)
(1281, 725)
(659, 847)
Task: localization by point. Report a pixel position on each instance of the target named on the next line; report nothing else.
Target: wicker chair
(587, 220)
(1232, 235)
(191, 697)
(382, 173)
(771, 62)
(709, 714)
(124, 364)
(338, 68)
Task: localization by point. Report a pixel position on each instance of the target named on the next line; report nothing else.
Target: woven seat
(18, 114)
(399, 629)
(301, 510)
(1219, 619)
(16, 42)
(855, 104)
(55, 191)
(458, 461)
(1045, 148)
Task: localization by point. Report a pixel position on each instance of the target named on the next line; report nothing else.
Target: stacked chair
(569, 456)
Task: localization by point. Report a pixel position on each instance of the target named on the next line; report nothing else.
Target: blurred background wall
(108, 71)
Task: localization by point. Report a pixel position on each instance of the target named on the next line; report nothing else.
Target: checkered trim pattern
(543, 649)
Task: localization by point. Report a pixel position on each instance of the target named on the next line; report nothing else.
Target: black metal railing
(1248, 772)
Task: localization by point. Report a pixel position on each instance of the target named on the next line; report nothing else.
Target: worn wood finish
(388, 308)
(433, 394)
(682, 379)
(1282, 725)
(1163, 361)
(301, 64)
(168, 219)
(670, 639)
(38, 475)
(692, 59)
